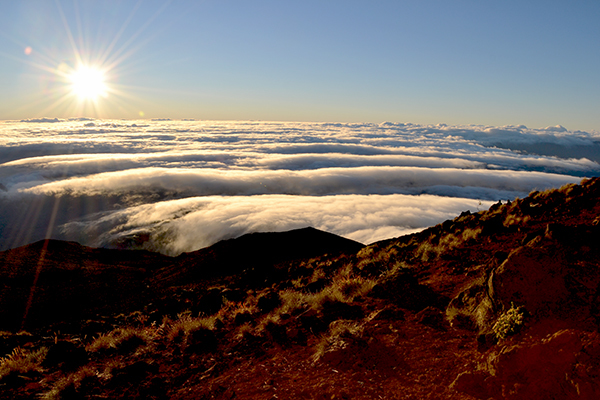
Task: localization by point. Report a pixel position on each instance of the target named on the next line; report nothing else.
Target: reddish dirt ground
(408, 360)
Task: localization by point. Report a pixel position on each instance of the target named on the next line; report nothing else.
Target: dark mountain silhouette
(498, 304)
(53, 281)
(71, 282)
(256, 253)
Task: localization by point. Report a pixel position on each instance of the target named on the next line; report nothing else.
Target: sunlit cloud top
(175, 186)
(116, 117)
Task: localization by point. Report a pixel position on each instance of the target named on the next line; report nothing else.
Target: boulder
(471, 309)
(562, 365)
(530, 267)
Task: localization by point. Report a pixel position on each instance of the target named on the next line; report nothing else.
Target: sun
(88, 83)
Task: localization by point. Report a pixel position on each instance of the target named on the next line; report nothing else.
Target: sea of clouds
(177, 186)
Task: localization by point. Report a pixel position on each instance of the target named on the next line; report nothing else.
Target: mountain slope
(501, 304)
(53, 281)
(255, 251)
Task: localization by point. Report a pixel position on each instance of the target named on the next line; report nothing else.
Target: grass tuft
(338, 333)
(125, 339)
(185, 325)
(22, 362)
(71, 385)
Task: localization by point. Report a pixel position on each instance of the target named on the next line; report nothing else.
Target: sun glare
(88, 83)
(85, 81)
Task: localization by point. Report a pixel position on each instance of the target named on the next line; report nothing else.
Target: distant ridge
(257, 250)
(76, 281)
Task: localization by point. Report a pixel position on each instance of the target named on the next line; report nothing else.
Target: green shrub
(510, 322)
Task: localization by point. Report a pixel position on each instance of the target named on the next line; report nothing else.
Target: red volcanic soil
(399, 358)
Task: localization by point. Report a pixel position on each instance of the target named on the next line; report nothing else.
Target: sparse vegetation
(69, 385)
(123, 339)
(433, 246)
(337, 337)
(22, 362)
(510, 322)
(185, 325)
(515, 220)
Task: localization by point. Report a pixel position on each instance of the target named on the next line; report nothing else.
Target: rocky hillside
(498, 304)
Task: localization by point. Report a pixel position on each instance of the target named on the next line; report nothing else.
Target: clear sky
(535, 63)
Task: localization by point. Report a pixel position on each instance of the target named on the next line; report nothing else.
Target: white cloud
(324, 181)
(179, 185)
(187, 224)
(42, 120)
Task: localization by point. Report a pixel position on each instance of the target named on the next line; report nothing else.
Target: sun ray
(104, 57)
(80, 31)
(133, 37)
(69, 33)
(82, 79)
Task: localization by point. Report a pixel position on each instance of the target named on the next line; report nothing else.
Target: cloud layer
(175, 186)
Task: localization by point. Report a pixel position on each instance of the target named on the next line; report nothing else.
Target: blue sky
(458, 62)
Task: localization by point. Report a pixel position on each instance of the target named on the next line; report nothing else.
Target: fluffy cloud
(183, 225)
(319, 182)
(176, 186)
(41, 120)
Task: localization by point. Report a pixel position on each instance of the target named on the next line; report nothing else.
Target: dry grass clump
(372, 261)
(349, 282)
(22, 362)
(185, 325)
(344, 287)
(434, 246)
(116, 350)
(124, 339)
(231, 308)
(368, 252)
(516, 220)
(427, 251)
(337, 336)
(292, 301)
(317, 274)
(329, 294)
(244, 332)
(70, 385)
(396, 268)
(351, 287)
